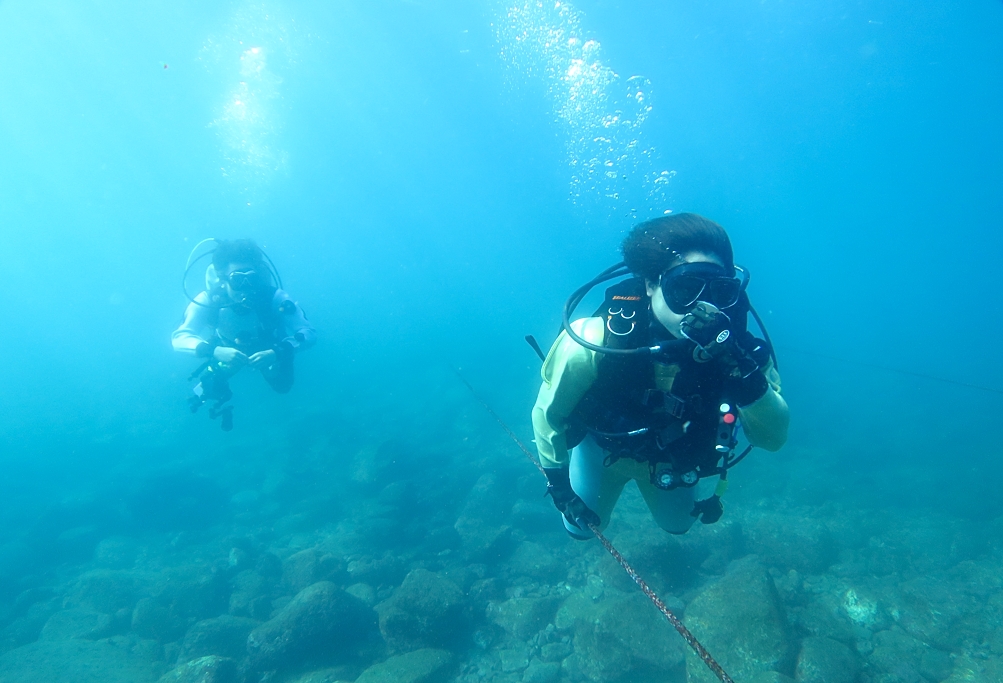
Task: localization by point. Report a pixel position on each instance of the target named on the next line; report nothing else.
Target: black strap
(531, 340)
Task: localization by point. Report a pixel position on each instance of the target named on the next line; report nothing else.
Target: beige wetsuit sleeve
(568, 372)
(765, 422)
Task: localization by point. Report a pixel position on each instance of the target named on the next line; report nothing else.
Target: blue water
(430, 177)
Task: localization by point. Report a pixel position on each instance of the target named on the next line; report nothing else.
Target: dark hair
(236, 251)
(651, 247)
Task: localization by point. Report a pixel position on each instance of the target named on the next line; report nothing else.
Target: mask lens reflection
(243, 281)
(724, 292)
(683, 291)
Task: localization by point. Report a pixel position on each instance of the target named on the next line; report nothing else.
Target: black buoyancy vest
(268, 328)
(625, 411)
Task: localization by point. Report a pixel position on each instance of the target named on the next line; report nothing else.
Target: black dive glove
(566, 500)
(745, 391)
(709, 510)
(710, 329)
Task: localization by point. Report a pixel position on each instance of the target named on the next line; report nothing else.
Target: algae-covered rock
(899, 654)
(425, 611)
(514, 658)
(225, 636)
(27, 627)
(420, 666)
(322, 622)
(790, 540)
(116, 552)
(934, 611)
(364, 592)
(478, 525)
(336, 675)
(152, 619)
(541, 672)
(824, 660)
(622, 638)
(108, 590)
(771, 677)
(80, 661)
(969, 670)
(76, 623)
(250, 595)
(308, 567)
(741, 622)
(522, 617)
(555, 652)
(665, 562)
(211, 669)
(535, 561)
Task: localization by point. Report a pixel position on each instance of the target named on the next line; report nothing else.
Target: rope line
(677, 624)
(687, 635)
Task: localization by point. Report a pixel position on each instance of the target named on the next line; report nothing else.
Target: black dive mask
(685, 285)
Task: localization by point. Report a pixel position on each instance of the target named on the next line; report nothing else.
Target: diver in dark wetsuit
(656, 385)
(242, 319)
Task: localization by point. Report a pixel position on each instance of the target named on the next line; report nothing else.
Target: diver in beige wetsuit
(655, 387)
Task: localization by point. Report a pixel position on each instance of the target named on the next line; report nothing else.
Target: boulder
(224, 636)
(193, 593)
(308, 567)
(523, 617)
(790, 540)
(115, 660)
(116, 552)
(322, 622)
(152, 619)
(108, 590)
(514, 658)
(363, 591)
(211, 669)
(665, 562)
(76, 623)
(250, 595)
(541, 672)
(621, 638)
(555, 652)
(970, 670)
(824, 660)
(741, 622)
(478, 526)
(534, 561)
(425, 611)
(771, 677)
(934, 611)
(898, 654)
(329, 675)
(27, 627)
(420, 666)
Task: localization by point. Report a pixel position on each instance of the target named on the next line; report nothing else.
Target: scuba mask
(685, 285)
(244, 281)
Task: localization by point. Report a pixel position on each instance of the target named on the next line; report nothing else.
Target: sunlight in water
(602, 113)
(248, 120)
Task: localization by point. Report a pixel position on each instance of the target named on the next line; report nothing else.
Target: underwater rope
(687, 635)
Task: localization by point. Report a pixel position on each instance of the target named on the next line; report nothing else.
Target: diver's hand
(567, 501)
(706, 325)
(262, 359)
(708, 511)
(230, 356)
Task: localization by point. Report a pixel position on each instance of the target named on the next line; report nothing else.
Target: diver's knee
(676, 527)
